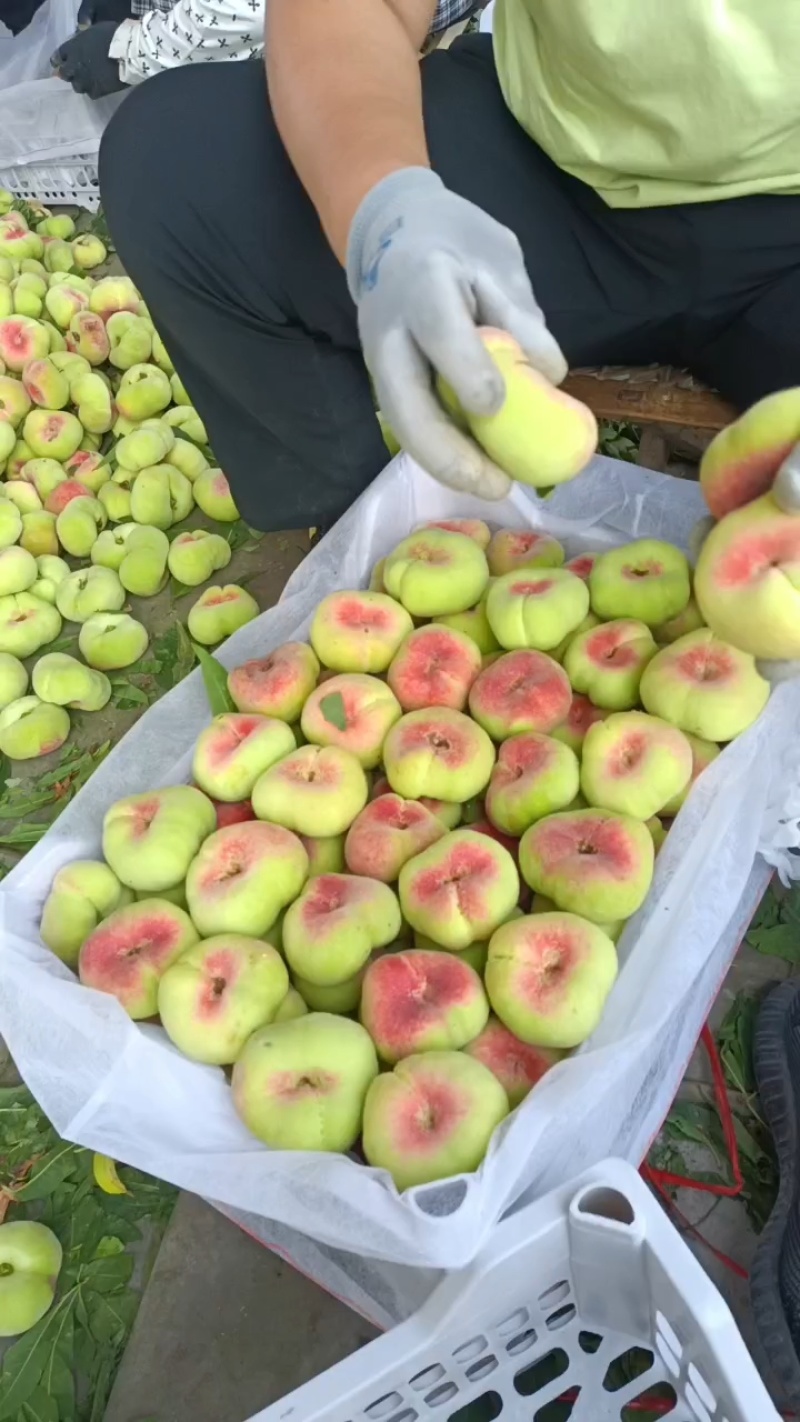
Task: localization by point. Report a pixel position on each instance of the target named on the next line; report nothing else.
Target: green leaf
(26, 1362)
(735, 1040)
(111, 1316)
(107, 1275)
(215, 680)
(127, 697)
(239, 534)
(775, 929)
(333, 709)
(109, 1245)
(49, 1173)
(40, 1407)
(24, 836)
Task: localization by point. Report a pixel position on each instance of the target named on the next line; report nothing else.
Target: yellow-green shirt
(658, 101)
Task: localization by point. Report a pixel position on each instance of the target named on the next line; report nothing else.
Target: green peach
(130, 339)
(195, 555)
(30, 727)
(143, 391)
(150, 840)
(50, 571)
(112, 294)
(190, 460)
(219, 612)
(313, 791)
(161, 496)
(78, 525)
(46, 385)
(647, 580)
(61, 226)
(39, 535)
(112, 640)
(148, 445)
(434, 573)
(186, 419)
(18, 570)
(82, 893)
(213, 495)
(26, 624)
(64, 681)
(92, 397)
(13, 679)
(88, 251)
(55, 433)
(536, 609)
(88, 591)
(86, 336)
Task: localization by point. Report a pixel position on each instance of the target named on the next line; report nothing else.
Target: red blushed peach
(449, 812)
(352, 711)
(358, 631)
(581, 715)
(596, 863)
(520, 691)
(432, 1117)
(434, 666)
(234, 814)
(607, 662)
(128, 952)
(534, 776)
(705, 686)
(438, 752)
(387, 833)
(582, 565)
(460, 889)
(513, 548)
(276, 685)
(243, 876)
(517, 1065)
(63, 494)
(234, 750)
(548, 977)
(473, 528)
(508, 841)
(743, 459)
(317, 790)
(419, 1001)
(330, 931)
(747, 580)
(635, 763)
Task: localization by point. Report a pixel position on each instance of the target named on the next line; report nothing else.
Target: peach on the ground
(217, 993)
(420, 1001)
(278, 684)
(30, 727)
(434, 572)
(243, 876)
(606, 663)
(647, 580)
(439, 753)
(300, 1084)
(520, 691)
(434, 666)
(129, 951)
(338, 920)
(353, 711)
(548, 977)
(14, 681)
(219, 612)
(459, 889)
(581, 715)
(111, 640)
(26, 624)
(316, 790)
(705, 686)
(388, 832)
(517, 1065)
(536, 608)
(534, 776)
(634, 763)
(433, 1116)
(150, 840)
(235, 749)
(597, 863)
(358, 631)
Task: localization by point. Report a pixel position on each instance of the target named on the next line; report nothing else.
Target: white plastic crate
(71, 181)
(585, 1303)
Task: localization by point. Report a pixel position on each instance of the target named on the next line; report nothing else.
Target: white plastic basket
(71, 181)
(584, 1303)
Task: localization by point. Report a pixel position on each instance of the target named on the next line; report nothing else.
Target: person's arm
(344, 84)
(424, 267)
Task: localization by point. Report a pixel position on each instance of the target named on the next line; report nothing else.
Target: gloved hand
(425, 268)
(84, 62)
(94, 12)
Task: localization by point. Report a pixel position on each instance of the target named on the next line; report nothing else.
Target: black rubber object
(775, 1274)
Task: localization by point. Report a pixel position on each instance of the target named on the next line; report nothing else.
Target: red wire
(662, 1179)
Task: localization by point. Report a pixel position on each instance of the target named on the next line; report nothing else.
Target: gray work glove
(786, 493)
(425, 268)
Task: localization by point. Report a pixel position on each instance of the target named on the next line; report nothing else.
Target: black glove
(84, 63)
(94, 12)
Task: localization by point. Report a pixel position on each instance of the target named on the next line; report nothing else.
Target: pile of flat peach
(389, 902)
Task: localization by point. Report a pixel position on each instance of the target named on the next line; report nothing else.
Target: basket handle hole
(607, 1204)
